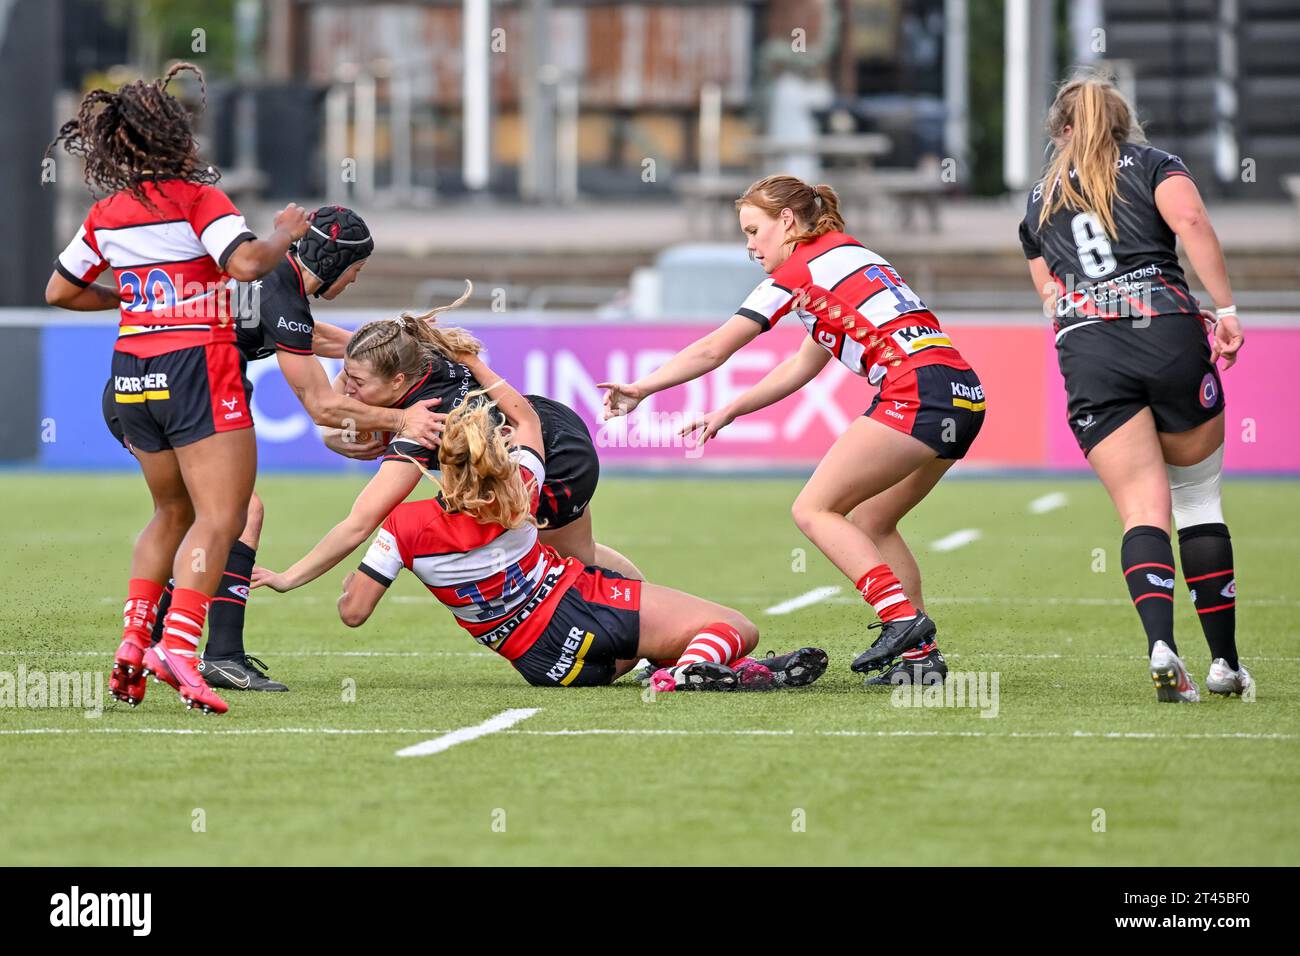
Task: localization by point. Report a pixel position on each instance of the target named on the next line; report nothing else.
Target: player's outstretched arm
(384, 492)
(699, 358)
(783, 381)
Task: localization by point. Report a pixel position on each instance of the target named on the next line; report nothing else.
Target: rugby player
(1145, 400)
(858, 310)
(559, 622)
(274, 318)
(405, 360)
(173, 241)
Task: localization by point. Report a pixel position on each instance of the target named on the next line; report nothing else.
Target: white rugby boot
(1223, 680)
(1174, 685)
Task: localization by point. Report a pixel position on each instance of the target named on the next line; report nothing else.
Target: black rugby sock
(164, 603)
(1147, 557)
(1206, 554)
(226, 615)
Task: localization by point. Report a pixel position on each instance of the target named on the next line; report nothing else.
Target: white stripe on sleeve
(220, 233)
(383, 557)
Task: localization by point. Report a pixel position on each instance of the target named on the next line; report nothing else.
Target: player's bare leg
(173, 514)
(574, 540)
(607, 557)
(865, 460)
(151, 563)
(219, 473)
(1131, 465)
(1194, 445)
(878, 518)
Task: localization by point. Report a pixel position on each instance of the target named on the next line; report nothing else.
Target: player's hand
(708, 426)
(620, 399)
(421, 423)
(363, 446)
(266, 578)
(1226, 340)
(293, 220)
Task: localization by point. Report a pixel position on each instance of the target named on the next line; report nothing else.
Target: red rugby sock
(719, 643)
(881, 589)
(183, 626)
(141, 606)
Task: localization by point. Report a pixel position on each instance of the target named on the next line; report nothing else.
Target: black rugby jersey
(1135, 274)
(444, 379)
(273, 313)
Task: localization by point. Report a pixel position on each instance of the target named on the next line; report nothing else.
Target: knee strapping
(1196, 491)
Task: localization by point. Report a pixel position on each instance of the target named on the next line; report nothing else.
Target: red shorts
(178, 398)
(937, 404)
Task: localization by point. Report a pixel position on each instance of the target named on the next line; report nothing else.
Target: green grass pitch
(1080, 765)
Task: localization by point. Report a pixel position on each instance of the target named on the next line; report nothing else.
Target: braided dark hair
(142, 134)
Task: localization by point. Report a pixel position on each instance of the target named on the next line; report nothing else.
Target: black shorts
(1115, 369)
(596, 623)
(937, 404)
(572, 465)
(111, 417)
(177, 398)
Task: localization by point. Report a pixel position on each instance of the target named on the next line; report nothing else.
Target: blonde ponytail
(1100, 120)
(479, 478)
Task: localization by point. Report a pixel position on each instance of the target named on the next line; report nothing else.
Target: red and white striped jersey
(856, 306)
(501, 584)
(169, 262)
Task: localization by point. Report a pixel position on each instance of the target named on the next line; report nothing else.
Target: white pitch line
(803, 600)
(507, 718)
(481, 729)
(202, 731)
(1048, 502)
(958, 539)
